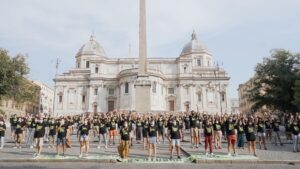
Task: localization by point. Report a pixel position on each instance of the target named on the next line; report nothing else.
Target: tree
(13, 84)
(274, 81)
(296, 89)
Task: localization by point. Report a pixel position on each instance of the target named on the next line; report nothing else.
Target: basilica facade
(99, 83)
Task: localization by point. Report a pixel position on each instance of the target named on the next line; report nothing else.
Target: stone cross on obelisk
(142, 83)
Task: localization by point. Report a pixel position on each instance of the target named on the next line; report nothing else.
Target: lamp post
(54, 94)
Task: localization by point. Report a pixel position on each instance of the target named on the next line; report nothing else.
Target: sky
(238, 33)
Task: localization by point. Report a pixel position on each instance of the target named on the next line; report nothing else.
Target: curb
(289, 162)
(57, 160)
(201, 161)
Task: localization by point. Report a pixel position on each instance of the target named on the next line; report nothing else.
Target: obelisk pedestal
(142, 83)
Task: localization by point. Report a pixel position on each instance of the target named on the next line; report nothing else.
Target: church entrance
(111, 105)
(171, 105)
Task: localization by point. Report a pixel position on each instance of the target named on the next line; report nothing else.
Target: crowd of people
(126, 128)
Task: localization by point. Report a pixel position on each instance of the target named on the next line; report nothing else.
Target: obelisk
(142, 83)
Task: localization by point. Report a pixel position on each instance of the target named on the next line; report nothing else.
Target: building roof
(92, 48)
(194, 46)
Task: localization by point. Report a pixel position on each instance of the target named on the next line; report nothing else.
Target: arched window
(223, 97)
(184, 69)
(87, 64)
(198, 62)
(96, 70)
(126, 87)
(154, 87)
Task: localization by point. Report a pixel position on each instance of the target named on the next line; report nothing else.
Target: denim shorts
(175, 142)
(61, 141)
(84, 137)
(152, 140)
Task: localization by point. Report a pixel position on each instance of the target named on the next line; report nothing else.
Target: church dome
(92, 48)
(194, 46)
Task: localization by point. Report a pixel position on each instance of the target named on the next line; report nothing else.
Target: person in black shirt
(195, 127)
(276, 129)
(230, 127)
(217, 133)
(139, 130)
(160, 128)
(103, 133)
(62, 131)
(123, 148)
(52, 132)
(84, 137)
(145, 125)
(29, 132)
(241, 133)
(268, 130)
(39, 134)
(13, 123)
(46, 124)
(295, 127)
(175, 136)
(152, 139)
(208, 135)
(20, 125)
(2, 132)
(288, 130)
(250, 136)
(113, 125)
(261, 133)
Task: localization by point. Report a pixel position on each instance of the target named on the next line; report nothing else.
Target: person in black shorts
(160, 129)
(250, 136)
(84, 137)
(62, 130)
(39, 134)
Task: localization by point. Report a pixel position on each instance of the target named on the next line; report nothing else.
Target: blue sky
(238, 33)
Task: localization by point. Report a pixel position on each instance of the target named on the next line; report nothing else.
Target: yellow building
(9, 106)
(244, 100)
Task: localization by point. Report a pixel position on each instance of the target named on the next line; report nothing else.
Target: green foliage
(296, 89)
(13, 84)
(274, 81)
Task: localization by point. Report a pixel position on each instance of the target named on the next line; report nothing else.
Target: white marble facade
(101, 84)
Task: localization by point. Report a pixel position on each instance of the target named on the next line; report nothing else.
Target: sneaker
(206, 154)
(235, 155)
(98, 147)
(179, 157)
(31, 147)
(80, 156)
(171, 158)
(229, 155)
(105, 147)
(211, 155)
